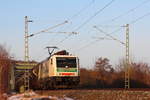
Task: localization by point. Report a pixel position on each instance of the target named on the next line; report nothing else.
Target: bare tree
(102, 64)
(104, 70)
(4, 68)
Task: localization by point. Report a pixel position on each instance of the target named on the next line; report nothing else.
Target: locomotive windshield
(66, 62)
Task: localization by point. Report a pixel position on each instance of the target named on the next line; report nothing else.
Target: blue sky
(47, 13)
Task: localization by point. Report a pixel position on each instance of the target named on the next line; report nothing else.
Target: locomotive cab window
(69, 62)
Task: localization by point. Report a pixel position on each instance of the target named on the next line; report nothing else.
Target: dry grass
(99, 94)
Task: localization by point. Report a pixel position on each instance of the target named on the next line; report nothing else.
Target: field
(99, 94)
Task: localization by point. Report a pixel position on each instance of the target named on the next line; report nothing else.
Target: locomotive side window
(70, 62)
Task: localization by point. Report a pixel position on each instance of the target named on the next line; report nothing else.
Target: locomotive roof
(57, 56)
(54, 56)
(62, 53)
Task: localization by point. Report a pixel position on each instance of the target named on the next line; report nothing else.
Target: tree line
(104, 75)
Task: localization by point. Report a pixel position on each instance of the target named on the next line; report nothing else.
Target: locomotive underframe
(57, 81)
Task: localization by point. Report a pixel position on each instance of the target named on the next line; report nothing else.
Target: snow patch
(34, 96)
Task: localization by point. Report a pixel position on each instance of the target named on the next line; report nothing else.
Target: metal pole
(26, 57)
(127, 66)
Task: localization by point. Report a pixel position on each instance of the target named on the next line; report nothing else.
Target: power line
(139, 18)
(45, 30)
(109, 35)
(109, 26)
(93, 42)
(129, 11)
(70, 33)
(115, 31)
(81, 10)
(64, 39)
(75, 15)
(90, 18)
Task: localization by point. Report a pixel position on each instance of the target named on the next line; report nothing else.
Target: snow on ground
(34, 96)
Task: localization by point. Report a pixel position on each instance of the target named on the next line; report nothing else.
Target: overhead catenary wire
(91, 43)
(95, 14)
(97, 40)
(115, 31)
(132, 22)
(81, 10)
(109, 35)
(87, 45)
(139, 18)
(45, 30)
(129, 11)
(136, 20)
(108, 26)
(70, 19)
(89, 19)
(75, 15)
(64, 39)
(64, 32)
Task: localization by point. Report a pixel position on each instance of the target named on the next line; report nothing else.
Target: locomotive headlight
(66, 66)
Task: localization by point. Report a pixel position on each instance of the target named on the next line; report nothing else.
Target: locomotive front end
(67, 70)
